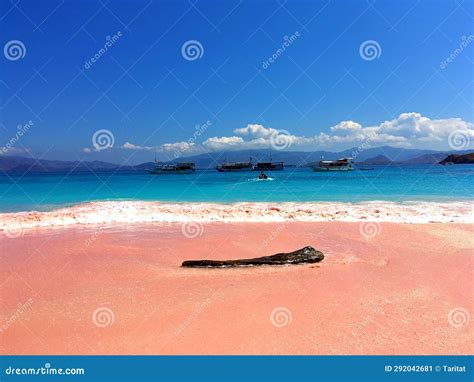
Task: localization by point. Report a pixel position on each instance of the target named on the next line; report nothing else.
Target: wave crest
(127, 212)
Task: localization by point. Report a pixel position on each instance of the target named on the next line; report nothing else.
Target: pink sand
(387, 294)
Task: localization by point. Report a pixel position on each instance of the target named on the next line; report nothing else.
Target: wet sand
(384, 288)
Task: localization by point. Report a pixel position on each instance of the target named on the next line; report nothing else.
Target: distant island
(377, 160)
(459, 159)
(430, 158)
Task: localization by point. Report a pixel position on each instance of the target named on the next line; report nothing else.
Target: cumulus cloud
(5, 150)
(257, 131)
(176, 149)
(131, 146)
(223, 143)
(253, 136)
(177, 146)
(407, 130)
(346, 127)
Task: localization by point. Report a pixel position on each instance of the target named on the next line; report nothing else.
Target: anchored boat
(178, 168)
(235, 167)
(269, 166)
(343, 164)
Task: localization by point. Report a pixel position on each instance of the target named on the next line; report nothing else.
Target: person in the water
(262, 175)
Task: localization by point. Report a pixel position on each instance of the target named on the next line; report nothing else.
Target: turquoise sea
(43, 192)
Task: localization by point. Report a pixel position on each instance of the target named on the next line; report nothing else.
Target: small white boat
(343, 164)
(178, 168)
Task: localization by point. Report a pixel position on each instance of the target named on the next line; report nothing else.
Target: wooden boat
(269, 166)
(235, 167)
(178, 168)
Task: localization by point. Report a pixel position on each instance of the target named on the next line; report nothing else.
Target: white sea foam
(261, 180)
(126, 212)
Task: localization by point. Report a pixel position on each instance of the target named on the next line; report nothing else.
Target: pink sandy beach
(85, 290)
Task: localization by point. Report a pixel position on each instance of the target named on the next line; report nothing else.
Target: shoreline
(140, 212)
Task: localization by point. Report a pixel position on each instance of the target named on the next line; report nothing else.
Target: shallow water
(391, 183)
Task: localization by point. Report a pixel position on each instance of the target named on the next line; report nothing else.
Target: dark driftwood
(300, 256)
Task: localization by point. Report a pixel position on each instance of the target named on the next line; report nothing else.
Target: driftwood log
(300, 256)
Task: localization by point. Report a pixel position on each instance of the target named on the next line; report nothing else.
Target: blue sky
(322, 90)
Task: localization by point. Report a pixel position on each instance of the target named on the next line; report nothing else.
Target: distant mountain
(140, 167)
(377, 160)
(459, 159)
(425, 159)
(431, 158)
(14, 164)
(378, 155)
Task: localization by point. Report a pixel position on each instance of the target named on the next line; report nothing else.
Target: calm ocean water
(407, 183)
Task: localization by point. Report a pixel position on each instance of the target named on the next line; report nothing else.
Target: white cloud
(257, 131)
(257, 137)
(223, 143)
(131, 146)
(177, 146)
(407, 130)
(6, 150)
(346, 127)
(167, 147)
(176, 149)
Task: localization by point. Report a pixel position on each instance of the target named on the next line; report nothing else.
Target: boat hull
(178, 168)
(245, 169)
(269, 168)
(233, 170)
(343, 164)
(326, 169)
(160, 172)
